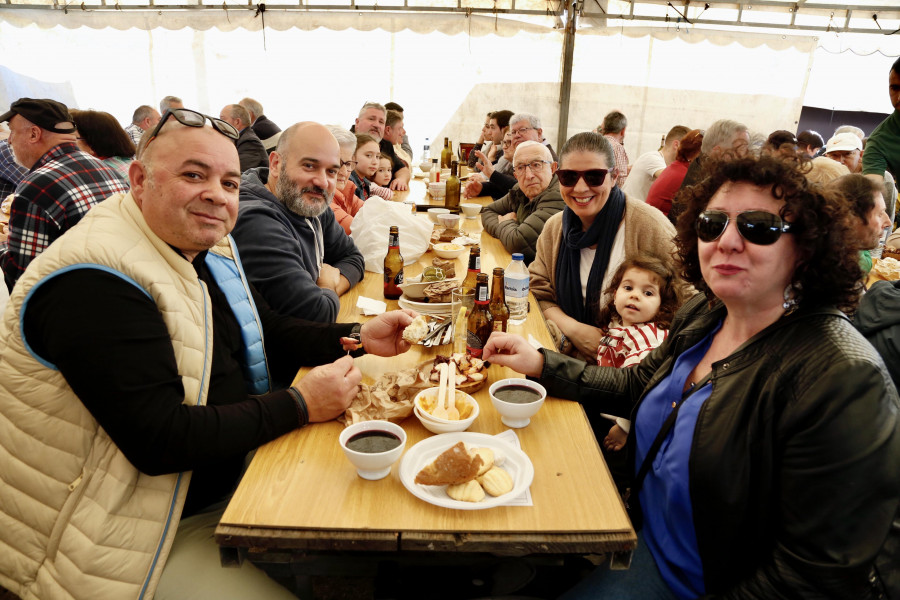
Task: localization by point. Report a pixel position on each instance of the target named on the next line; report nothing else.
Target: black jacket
(251, 152)
(795, 456)
(878, 319)
(264, 128)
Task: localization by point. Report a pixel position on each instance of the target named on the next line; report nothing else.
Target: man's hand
(484, 164)
(401, 180)
(586, 338)
(329, 389)
(510, 216)
(383, 335)
(473, 189)
(513, 351)
(329, 278)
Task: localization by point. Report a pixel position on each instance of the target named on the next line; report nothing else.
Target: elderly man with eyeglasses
(518, 218)
(136, 370)
(522, 127)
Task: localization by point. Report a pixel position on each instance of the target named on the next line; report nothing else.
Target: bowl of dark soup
(517, 400)
(373, 446)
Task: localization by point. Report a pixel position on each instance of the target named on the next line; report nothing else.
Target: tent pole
(565, 86)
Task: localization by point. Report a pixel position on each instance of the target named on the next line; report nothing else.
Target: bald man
(293, 249)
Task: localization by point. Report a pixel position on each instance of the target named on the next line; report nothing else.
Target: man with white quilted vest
(136, 370)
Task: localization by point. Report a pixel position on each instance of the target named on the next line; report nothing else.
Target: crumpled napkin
(390, 398)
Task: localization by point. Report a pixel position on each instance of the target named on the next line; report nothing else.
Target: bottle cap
(518, 256)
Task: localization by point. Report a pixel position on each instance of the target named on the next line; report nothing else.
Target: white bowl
(438, 425)
(437, 189)
(470, 209)
(373, 465)
(434, 212)
(448, 250)
(513, 414)
(450, 221)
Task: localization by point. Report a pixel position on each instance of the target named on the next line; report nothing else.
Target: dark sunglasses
(592, 177)
(756, 226)
(192, 118)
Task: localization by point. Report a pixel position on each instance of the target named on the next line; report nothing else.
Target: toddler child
(384, 172)
(643, 303)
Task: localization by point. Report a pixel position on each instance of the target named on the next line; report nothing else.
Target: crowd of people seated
(707, 302)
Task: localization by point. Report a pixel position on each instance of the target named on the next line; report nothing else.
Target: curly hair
(828, 271)
(663, 272)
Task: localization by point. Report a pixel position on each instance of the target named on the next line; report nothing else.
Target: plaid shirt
(11, 173)
(61, 187)
(135, 133)
(621, 159)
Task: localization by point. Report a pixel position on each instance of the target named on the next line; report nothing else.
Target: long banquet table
(301, 494)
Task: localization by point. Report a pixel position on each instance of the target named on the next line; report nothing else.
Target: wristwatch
(356, 335)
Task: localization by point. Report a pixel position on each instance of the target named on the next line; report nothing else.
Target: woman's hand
(383, 335)
(585, 337)
(513, 351)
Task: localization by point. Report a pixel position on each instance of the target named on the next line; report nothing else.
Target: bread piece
(448, 235)
(469, 491)
(453, 466)
(447, 266)
(487, 459)
(416, 331)
(496, 482)
(440, 291)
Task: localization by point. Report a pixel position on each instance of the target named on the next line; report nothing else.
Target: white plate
(426, 308)
(516, 463)
(416, 289)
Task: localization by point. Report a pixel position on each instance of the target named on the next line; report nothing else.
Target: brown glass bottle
(481, 323)
(452, 193)
(446, 154)
(499, 309)
(474, 268)
(393, 266)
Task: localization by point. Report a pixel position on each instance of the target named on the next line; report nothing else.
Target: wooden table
(300, 493)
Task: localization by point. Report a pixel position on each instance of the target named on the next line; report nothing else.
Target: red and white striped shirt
(626, 346)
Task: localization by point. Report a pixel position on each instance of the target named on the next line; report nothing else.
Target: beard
(292, 196)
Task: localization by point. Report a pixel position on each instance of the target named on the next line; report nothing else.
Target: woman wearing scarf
(580, 248)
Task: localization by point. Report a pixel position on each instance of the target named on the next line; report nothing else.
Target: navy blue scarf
(568, 273)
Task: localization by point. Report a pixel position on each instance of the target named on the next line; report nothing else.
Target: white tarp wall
(446, 70)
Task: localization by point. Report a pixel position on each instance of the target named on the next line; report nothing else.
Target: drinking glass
(460, 297)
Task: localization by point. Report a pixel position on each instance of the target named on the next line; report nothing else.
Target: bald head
(303, 168)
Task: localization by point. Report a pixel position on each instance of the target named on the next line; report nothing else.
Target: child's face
(637, 297)
(383, 174)
(367, 159)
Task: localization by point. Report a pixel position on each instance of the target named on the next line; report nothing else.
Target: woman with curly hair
(766, 430)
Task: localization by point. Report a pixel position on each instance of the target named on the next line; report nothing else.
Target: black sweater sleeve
(110, 342)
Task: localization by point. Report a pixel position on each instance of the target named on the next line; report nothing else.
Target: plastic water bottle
(427, 150)
(515, 284)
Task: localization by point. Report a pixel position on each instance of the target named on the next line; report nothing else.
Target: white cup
(373, 465)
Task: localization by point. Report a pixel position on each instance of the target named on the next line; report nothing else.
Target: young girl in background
(383, 173)
(367, 156)
(639, 314)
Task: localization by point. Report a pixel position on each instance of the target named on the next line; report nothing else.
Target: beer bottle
(446, 154)
(452, 193)
(393, 266)
(481, 323)
(498, 307)
(474, 268)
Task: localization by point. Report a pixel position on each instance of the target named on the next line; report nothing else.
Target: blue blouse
(666, 495)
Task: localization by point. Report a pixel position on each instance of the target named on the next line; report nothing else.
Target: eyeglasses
(756, 226)
(592, 177)
(192, 118)
(349, 163)
(522, 131)
(536, 166)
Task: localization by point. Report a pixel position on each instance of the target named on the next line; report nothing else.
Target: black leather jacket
(795, 462)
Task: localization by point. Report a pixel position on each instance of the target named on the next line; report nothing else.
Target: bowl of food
(425, 404)
(449, 221)
(437, 189)
(448, 249)
(470, 209)
(372, 447)
(517, 400)
(434, 212)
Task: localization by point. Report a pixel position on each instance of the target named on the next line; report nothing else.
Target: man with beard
(292, 249)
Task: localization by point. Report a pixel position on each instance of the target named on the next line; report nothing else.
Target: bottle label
(474, 345)
(482, 297)
(478, 263)
(390, 278)
(394, 241)
(515, 288)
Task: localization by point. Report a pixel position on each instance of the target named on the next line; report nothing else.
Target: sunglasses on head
(592, 177)
(756, 226)
(192, 118)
